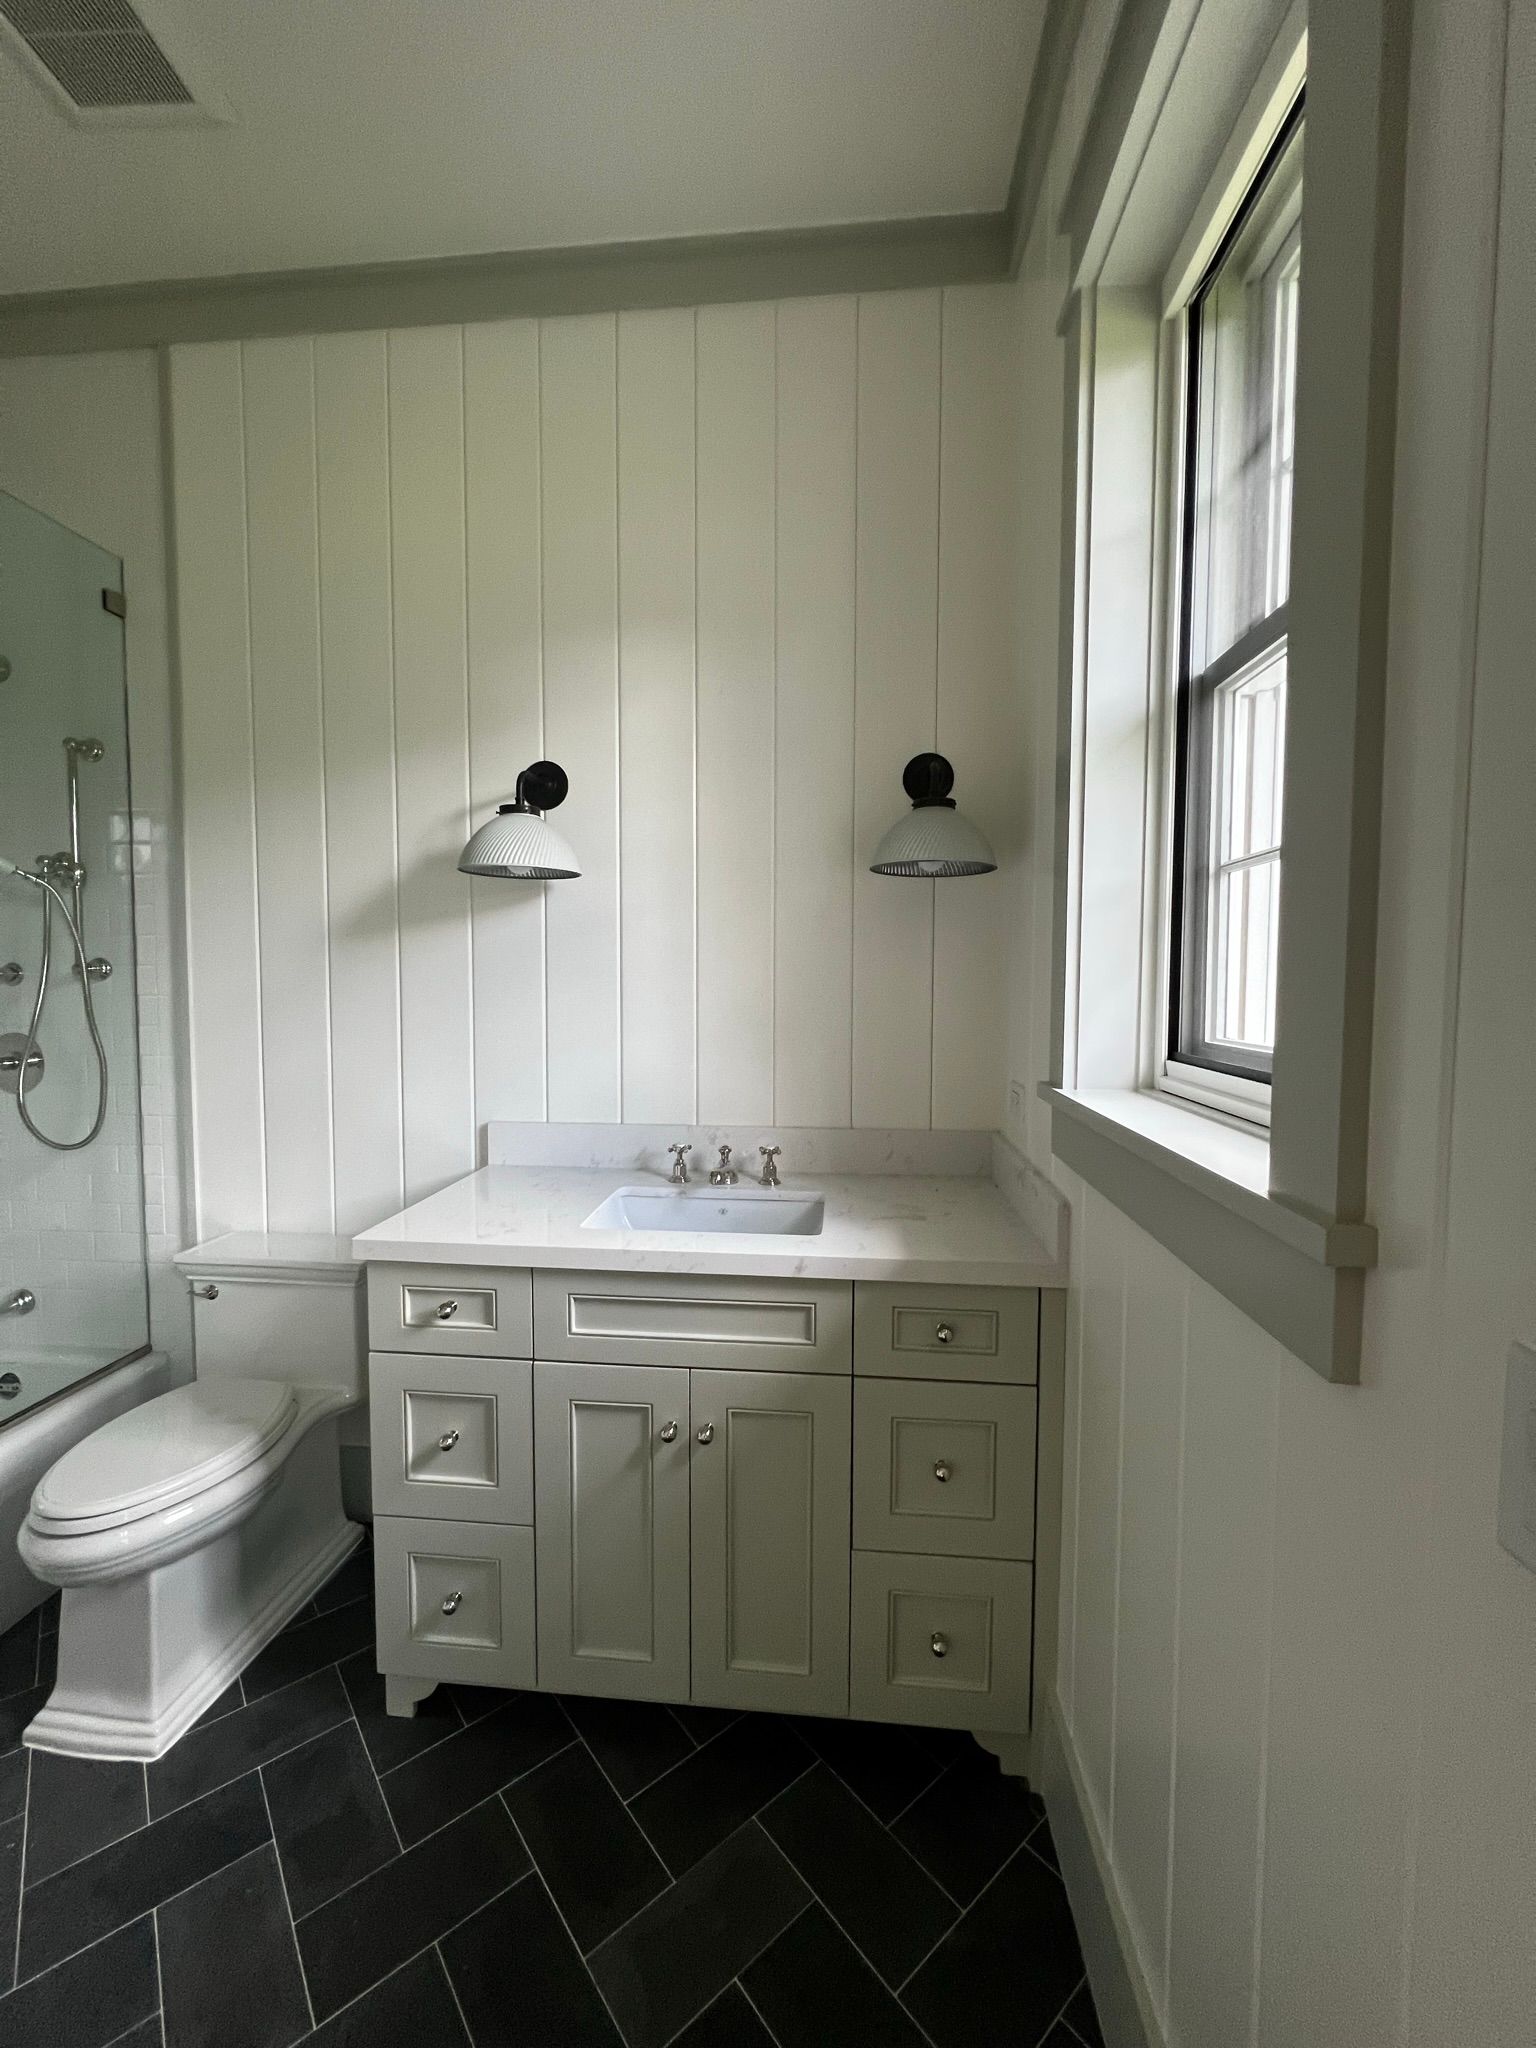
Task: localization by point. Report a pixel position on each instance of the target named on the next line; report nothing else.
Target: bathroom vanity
(708, 1462)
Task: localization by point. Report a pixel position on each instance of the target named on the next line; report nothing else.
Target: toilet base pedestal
(141, 1657)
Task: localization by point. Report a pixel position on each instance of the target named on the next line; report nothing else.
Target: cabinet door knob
(707, 1433)
(446, 1309)
(209, 1293)
(941, 1472)
(939, 1644)
(945, 1334)
(448, 1439)
(669, 1432)
(452, 1604)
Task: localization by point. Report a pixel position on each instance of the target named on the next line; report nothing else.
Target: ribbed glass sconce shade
(933, 842)
(520, 846)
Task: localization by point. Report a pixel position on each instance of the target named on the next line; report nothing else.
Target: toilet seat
(168, 1451)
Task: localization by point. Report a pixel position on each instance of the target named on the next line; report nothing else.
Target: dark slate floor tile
(76, 1807)
(1005, 1972)
(816, 1991)
(966, 1827)
(228, 1967)
(240, 1742)
(526, 1729)
(17, 1711)
(633, 1740)
(412, 2009)
(883, 1765)
(18, 1656)
(12, 1834)
(474, 1702)
(48, 1661)
(676, 1957)
(393, 1738)
(370, 1930)
(692, 1809)
(729, 2023)
(147, 2034)
(1043, 1844)
(599, 1867)
(309, 1646)
(13, 1782)
(329, 1817)
(703, 1724)
(886, 1904)
(119, 1883)
(519, 1981)
(351, 1581)
(48, 1615)
(1082, 2017)
(1061, 2036)
(90, 2000)
(229, 1701)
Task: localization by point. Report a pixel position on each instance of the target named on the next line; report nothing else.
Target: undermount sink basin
(747, 1211)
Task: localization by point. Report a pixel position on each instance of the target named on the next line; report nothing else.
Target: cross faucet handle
(680, 1161)
(768, 1154)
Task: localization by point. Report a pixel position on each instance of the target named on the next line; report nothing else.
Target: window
(1233, 573)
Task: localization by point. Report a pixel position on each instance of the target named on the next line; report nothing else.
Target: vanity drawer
(452, 1437)
(941, 1641)
(942, 1466)
(468, 1311)
(693, 1319)
(910, 1331)
(454, 1601)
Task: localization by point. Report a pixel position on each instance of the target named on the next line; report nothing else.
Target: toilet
(187, 1532)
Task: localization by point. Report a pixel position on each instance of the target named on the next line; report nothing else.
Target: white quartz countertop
(877, 1227)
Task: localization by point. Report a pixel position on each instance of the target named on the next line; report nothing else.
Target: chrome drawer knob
(945, 1334)
(446, 1310)
(941, 1472)
(939, 1644)
(448, 1439)
(452, 1604)
(209, 1293)
(669, 1432)
(707, 1433)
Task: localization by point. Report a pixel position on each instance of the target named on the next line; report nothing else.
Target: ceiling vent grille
(101, 58)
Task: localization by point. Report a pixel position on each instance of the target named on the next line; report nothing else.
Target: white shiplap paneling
(730, 568)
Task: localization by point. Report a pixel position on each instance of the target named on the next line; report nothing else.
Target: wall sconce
(933, 841)
(519, 843)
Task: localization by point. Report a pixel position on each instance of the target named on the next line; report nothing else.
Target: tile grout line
(534, 1871)
(878, 1975)
(938, 1777)
(639, 1830)
(793, 1921)
(425, 1949)
(437, 1950)
(1009, 1859)
(154, 1935)
(752, 2003)
(1059, 2017)
(378, 1781)
(282, 1878)
(21, 1889)
(697, 1750)
(885, 1827)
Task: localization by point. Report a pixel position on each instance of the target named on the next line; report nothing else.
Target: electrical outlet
(1517, 1475)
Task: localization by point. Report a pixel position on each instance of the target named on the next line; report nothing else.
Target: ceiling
(368, 131)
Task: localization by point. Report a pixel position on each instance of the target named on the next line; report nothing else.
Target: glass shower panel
(73, 1288)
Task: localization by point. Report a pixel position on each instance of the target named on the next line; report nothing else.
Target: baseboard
(1126, 2008)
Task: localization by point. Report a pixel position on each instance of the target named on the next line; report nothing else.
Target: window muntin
(1233, 580)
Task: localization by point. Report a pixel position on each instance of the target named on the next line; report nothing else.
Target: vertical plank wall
(730, 567)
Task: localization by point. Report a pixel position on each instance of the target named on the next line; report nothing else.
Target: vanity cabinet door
(771, 1511)
(611, 1529)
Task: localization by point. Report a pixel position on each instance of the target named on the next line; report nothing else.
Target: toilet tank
(278, 1306)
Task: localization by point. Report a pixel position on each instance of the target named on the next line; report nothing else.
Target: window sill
(1200, 1187)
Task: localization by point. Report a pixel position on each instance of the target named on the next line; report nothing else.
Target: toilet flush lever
(21, 1303)
(208, 1293)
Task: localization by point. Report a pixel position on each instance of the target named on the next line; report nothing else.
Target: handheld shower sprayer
(55, 897)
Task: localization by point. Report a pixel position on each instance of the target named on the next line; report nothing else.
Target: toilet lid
(165, 1451)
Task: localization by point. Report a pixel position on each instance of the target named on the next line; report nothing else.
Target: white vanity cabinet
(806, 1496)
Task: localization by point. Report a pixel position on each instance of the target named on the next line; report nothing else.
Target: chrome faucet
(680, 1163)
(769, 1155)
(724, 1175)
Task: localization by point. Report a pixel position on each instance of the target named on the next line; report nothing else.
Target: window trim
(1191, 1065)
